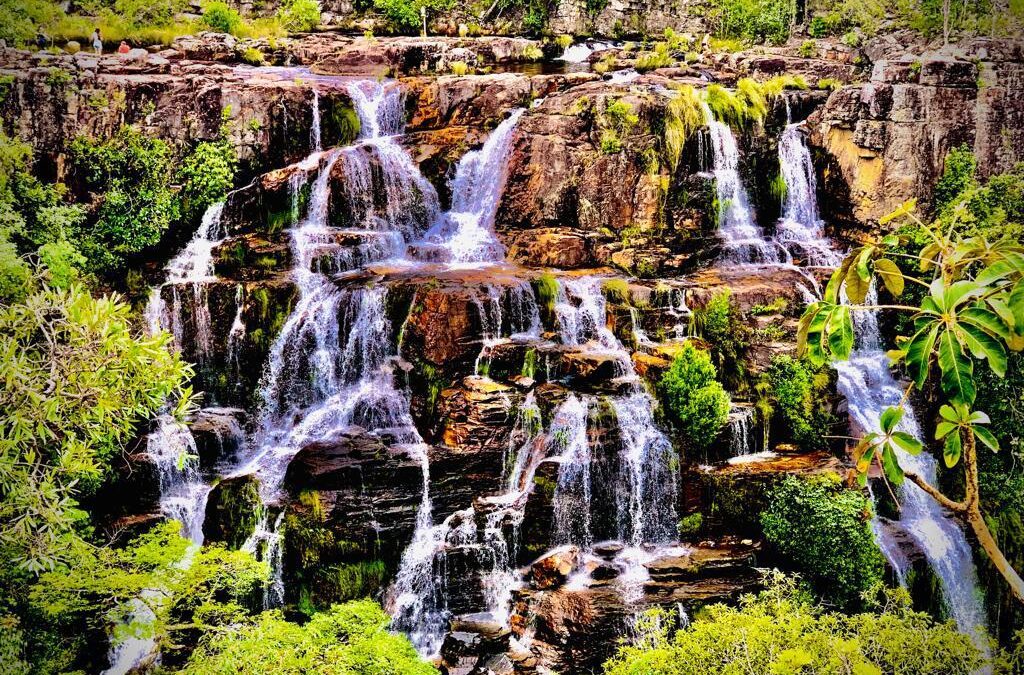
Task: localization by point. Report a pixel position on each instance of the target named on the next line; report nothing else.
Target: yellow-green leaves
(890, 275)
(957, 422)
(903, 210)
(884, 444)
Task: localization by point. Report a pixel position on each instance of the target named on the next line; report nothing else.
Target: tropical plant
(971, 313)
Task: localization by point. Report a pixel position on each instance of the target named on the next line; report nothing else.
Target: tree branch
(955, 507)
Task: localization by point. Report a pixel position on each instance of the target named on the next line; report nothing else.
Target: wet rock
(554, 568)
(219, 434)
(233, 510)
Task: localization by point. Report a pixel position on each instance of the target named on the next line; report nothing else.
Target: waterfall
(646, 487)
(236, 334)
(191, 268)
(742, 436)
(801, 226)
(571, 502)
(743, 239)
(869, 389)
(466, 232)
(182, 491)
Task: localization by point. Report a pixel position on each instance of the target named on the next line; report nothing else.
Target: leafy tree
(405, 14)
(299, 16)
(823, 530)
(781, 632)
(693, 397)
(348, 639)
(972, 314)
(131, 172)
(79, 380)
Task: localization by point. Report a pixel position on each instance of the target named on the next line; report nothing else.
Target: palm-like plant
(972, 313)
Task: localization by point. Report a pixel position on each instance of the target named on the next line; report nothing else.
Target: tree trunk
(972, 514)
(991, 548)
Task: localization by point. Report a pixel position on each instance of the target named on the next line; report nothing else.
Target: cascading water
(316, 145)
(800, 229)
(646, 487)
(742, 237)
(742, 436)
(869, 388)
(571, 502)
(466, 232)
(190, 271)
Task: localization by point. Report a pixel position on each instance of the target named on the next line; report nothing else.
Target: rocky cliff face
(886, 139)
(499, 470)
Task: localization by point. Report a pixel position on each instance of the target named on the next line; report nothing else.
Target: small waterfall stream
(743, 239)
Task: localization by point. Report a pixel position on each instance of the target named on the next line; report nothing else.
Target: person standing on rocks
(97, 42)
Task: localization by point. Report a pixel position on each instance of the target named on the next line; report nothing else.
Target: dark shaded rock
(219, 434)
(233, 510)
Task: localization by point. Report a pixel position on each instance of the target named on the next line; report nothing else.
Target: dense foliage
(781, 631)
(797, 394)
(404, 15)
(67, 411)
(821, 529)
(348, 639)
(693, 397)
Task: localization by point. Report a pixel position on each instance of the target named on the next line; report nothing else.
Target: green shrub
(957, 176)
(348, 638)
(808, 49)
(693, 397)
(616, 121)
(782, 632)
(15, 274)
(719, 322)
(458, 68)
(299, 16)
(532, 53)
(221, 18)
(206, 175)
(253, 56)
(798, 392)
(404, 15)
(822, 529)
(149, 12)
(757, 20)
(563, 41)
(658, 58)
(131, 172)
(829, 83)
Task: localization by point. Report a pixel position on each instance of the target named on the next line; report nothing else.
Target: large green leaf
(984, 346)
(891, 465)
(891, 416)
(919, 353)
(907, 443)
(987, 438)
(985, 319)
(890, 275)
(863, 260)
(856, 286)
(840, 332)
(957, 370)
(951, 449)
